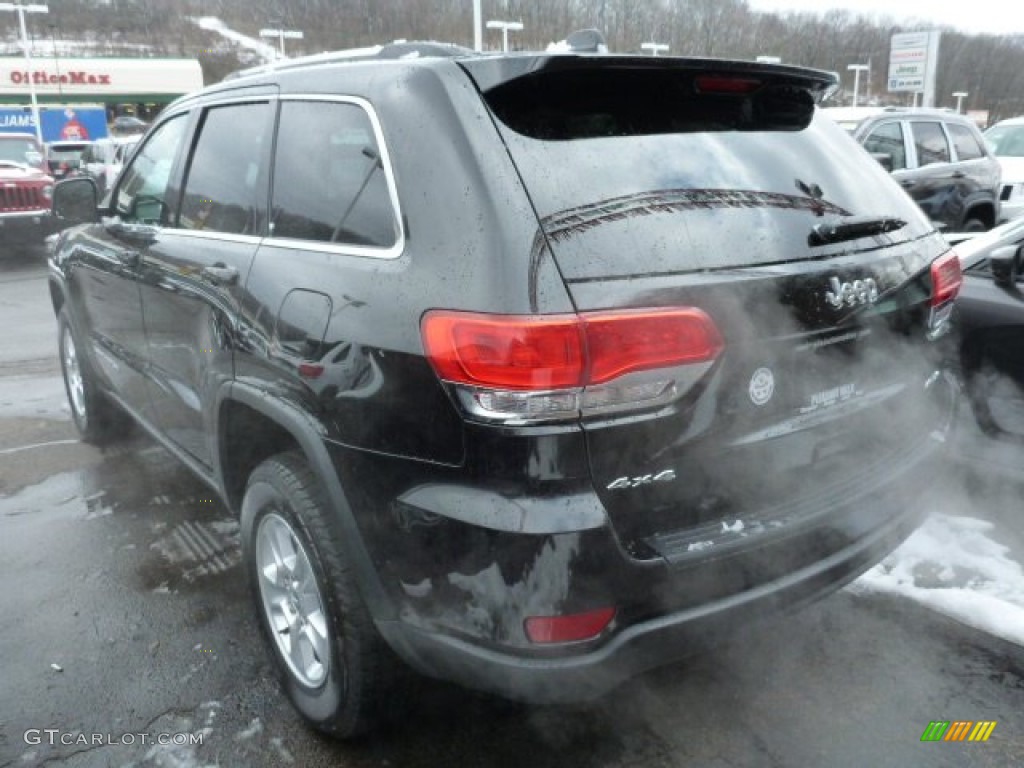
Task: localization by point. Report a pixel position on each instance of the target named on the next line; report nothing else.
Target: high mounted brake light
(725, 84)
(551, 366)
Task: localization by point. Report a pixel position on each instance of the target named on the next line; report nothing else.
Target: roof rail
(923, 110)
(399, 49)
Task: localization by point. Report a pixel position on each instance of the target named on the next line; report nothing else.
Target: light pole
(857, 69)
(959, 96)
(654, 48)
(281, 34)
(505, 27)
(478, 31)
(21, 10)
(56, 60)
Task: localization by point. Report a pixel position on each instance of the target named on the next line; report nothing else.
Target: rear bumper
(586, 670)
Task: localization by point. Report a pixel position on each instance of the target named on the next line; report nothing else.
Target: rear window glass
(887, 139)
(329, 183)
(644, 173)
(1006, 140)
(931, 143)
(967, 147)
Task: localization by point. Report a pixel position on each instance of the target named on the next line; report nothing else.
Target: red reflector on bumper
(570, 628)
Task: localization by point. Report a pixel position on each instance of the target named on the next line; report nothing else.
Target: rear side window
(224, 186)
(930, 140)
(330, 185)
(967, 147)
(887, 139)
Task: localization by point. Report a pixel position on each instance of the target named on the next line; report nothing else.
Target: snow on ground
(266, 51)
(954, 565)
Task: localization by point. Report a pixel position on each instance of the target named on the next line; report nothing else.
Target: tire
(97, 420)
(340, 675)
(974, 225)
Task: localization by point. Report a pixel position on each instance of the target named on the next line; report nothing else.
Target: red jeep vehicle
(25, 190)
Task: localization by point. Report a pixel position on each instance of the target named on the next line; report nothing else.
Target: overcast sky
(998, 17)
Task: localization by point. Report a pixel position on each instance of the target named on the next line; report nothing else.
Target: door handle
(908, 183)
(958, 174)
(219, 274)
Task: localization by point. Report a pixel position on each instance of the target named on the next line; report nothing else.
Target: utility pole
(505, 27)
(56, 60)
(21, 10)
(478, 31)
(857, 69)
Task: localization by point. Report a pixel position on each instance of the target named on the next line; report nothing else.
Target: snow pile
(952, 565)
(265, 51)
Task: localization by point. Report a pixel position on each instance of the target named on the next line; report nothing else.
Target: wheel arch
(983, 210)
(265, 425)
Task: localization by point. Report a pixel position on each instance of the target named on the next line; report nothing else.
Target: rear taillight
(946, 278)
(554, 366)
(570, 628)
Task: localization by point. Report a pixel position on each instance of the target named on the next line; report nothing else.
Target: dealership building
(133, 86)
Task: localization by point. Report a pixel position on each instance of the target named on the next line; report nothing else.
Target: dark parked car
(128, 125)
(64, 158)
(939, 158)
(533, 370)
(990, 319)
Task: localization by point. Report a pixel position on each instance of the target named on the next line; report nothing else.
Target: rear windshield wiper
(851, 228)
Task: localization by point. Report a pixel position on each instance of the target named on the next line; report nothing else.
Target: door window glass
(142, 195)
(967, 147)
(224, 185)
(931, 143)
(887, 139)
(329, 182)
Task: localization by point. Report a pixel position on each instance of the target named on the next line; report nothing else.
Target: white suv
(1006, 140)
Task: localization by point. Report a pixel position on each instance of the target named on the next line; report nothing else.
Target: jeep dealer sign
(913, 60)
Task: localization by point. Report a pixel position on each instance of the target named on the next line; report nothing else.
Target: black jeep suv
(533, 370)
(941, 160)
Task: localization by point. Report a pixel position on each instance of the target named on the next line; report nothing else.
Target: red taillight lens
(946, 278)
(567, 629)
(507, 352)
(564, 351)
(621, 343)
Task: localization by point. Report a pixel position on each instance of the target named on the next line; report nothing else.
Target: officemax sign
(97, 79)
(42, 77)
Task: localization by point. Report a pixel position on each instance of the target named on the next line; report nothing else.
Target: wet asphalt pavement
(124, 616)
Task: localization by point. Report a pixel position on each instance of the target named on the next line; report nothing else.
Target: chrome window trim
(391, 252)
(212, 234)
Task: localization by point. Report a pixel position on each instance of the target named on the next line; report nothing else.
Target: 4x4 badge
(858, 292)
(665, 476)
